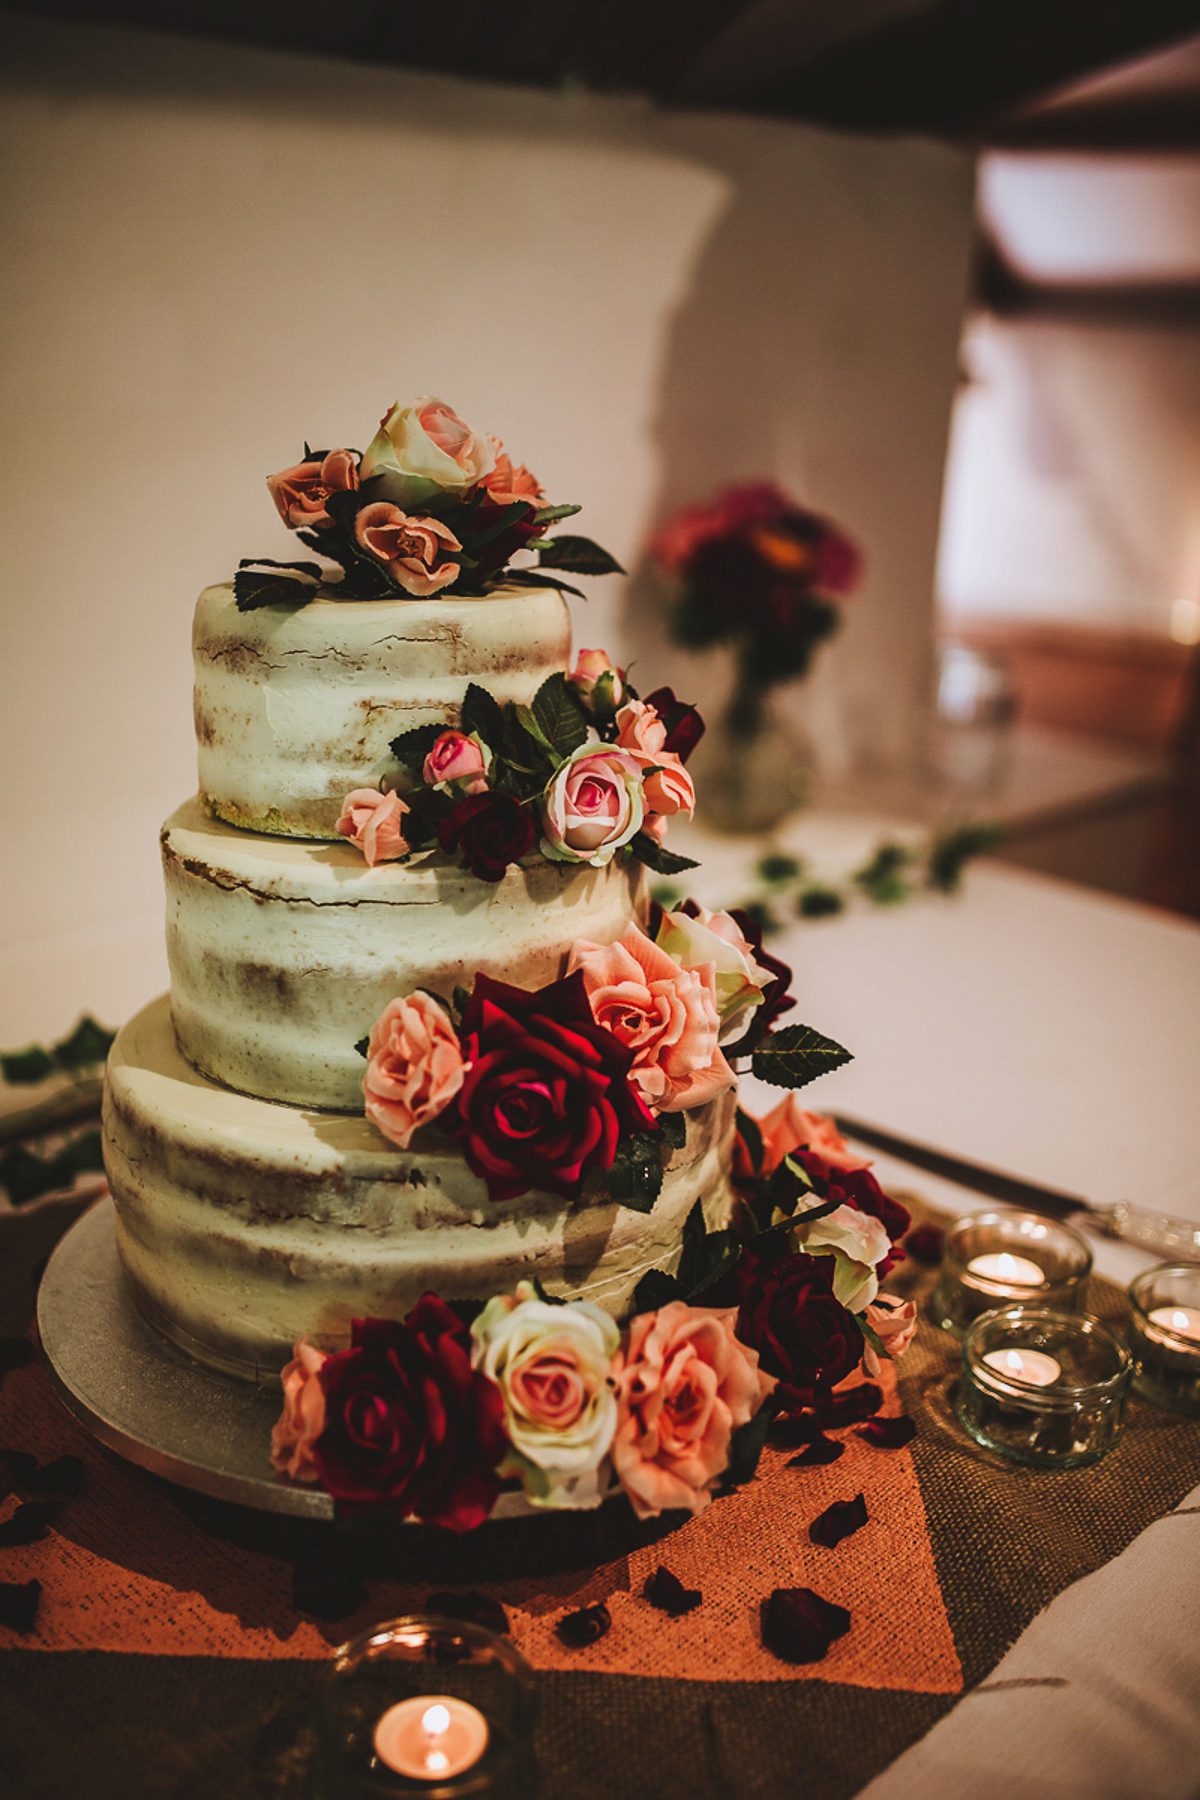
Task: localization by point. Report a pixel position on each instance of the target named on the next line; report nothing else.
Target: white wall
(214, 253)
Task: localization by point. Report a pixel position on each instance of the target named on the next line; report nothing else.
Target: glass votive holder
(1044, 1388)
(1164, 1335)
(428, 1706)
(1002, 1258)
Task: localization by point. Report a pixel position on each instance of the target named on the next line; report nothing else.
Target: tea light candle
(431, 1737)
(1183, 1321)
(1033, 1367)
(1010, 1271)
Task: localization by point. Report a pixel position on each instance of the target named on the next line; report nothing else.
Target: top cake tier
(296, 706)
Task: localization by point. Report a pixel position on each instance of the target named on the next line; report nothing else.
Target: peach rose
(300, 493)
(640, 729)
(303, 1417)
(458, 758)
(683, 1383)
(414, 1066)
(893, 1321)
(592, 806)
(423, 449)
(371, 821)
(670, 788)
(666, 1015)
(788, 1126)
(407, 547)
(506, 484)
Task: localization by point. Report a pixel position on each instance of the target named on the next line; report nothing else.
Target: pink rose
(300, 493)
(666, 1015)
(408, 547)
(303, 1417)
(600, 686)
(684, 1383)
(639, 728)
(894, 1322)
(414, 1066)
(506, 484)
(371, 821)
(592, 806)
(787, 1127)
(457, 758)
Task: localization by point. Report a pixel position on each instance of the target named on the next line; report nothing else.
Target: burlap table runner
(176, 1649)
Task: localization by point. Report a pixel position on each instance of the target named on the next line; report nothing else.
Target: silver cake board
(144, 1399)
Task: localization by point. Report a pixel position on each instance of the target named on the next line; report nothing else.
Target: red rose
(684, 725)
(492, 830)
(859, 1188)
(492, 555)
(546, 1096)
(776, 998)
(803, 1336)
(408, 1421)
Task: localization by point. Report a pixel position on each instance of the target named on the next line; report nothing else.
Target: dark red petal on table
(838, 1521)
(821, 1451)
(28, 1523)
(850, 1407)
(890, 1434)
(19, 1604)
(579, 1629)
(925, 1244)
(668, 1594)
(798, 1626)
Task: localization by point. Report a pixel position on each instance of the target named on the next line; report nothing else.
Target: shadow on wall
(818, 348)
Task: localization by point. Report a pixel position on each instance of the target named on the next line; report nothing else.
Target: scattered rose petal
(790, 1430)
(328, 1586)
(16, 1466)
(838, 1521)
(579, 1629)
(19, 1604)
(850, 1407)
(889, 1434)
(798, 1626)
(473, 1608)
(821, 1451)
(61, 1479)
(925, 1244)
(15, 1352)
(28, 1523)
(668, 1593)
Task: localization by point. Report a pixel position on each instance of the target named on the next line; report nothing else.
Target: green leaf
(795, 1055)
(777, 870)
(256, 588)
(752, 1137)
(820, 903)
(550, 515)
(664, 862)
(672, 1129)
(461, 1000)
(483, 714)
(655, 1289)
(412, 747)
(23, 1067)
(269, 562)
(548, 1299)
(529, 724)
(578, 556)
(871, 1335)
(531, 578)
(363, 1046)
(746, 1445)
(707, 1255)
(26, 1176)
(636, 1177)
(87, 1045)
(561, 718)
(953, 849)
(882, 880)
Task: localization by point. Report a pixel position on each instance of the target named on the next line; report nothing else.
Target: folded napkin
(1099, 1699)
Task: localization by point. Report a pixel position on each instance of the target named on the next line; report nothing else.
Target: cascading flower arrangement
(431, 506)
(434, 1415)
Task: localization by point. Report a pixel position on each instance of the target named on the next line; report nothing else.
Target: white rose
(551, 1364)
(424, 449)
(857, 1242)
(715, 938)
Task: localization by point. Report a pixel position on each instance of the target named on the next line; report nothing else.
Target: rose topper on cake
(430, 507)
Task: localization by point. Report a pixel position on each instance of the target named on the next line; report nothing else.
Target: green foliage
(550, 515)
(84, 1048)
(260, 582)
(577, 555)
(954, 847)
(26, 1176)
(412, 747)
(636, 1177)
(655, 856)
(795, 1055)
(560, 716)
(483, 714)
(820, 903)
(778, 870)
(672, 1129)
(883, 879)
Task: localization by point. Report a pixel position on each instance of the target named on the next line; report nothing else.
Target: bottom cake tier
(245, 1224)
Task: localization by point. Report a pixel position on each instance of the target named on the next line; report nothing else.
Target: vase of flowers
(757, 572)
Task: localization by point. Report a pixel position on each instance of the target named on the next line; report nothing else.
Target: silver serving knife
(1176, 1240)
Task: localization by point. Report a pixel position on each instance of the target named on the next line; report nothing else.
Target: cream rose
(684, 1383)
(414, 1066)
(714, 938)
(857, 1242)
(424, 449)
(592, 806)
(303, 1417)
(551, 1364)
(371, 821)
(408, 547)
(666, 1015)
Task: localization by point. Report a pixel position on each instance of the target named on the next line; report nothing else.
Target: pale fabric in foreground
(1099, 1699)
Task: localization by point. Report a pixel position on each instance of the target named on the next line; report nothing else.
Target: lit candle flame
(1180, 1322)
(436, 1721)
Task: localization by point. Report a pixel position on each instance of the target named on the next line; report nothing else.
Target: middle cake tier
(283, 953)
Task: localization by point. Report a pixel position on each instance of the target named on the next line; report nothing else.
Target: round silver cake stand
(146, 1401)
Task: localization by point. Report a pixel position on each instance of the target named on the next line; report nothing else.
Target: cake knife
(1177, 1240)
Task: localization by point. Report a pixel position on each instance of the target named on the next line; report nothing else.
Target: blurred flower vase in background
(753, 570)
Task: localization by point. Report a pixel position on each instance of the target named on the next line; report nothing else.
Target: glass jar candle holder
(428, 1706)
(1044, 1388)
(997, 1259)
(1164, 1335)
